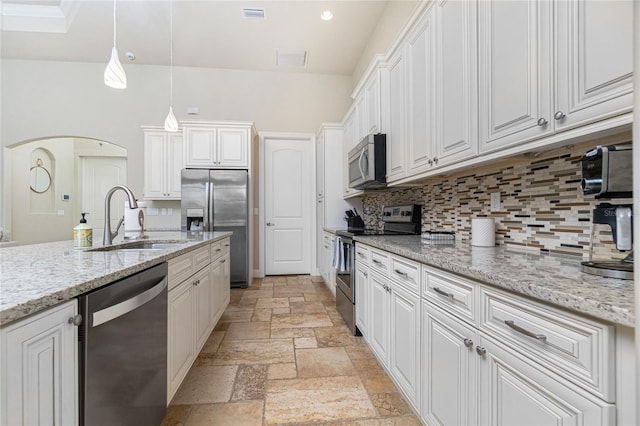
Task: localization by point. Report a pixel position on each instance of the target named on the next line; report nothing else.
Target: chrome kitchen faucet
(108, 237)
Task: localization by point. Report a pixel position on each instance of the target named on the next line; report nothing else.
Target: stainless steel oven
(398, 220)
(345, 283)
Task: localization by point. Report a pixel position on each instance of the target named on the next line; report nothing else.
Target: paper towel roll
(131, 221)
(483, 232)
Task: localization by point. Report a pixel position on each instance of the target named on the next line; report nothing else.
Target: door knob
(542, 122)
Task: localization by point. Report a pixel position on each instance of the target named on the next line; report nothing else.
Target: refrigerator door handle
(207, 206)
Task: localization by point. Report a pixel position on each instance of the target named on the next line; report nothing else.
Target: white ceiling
(206, 33)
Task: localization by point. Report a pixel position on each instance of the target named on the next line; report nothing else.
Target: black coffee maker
(607, 172)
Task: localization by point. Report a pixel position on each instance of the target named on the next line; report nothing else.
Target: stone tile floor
(281, 354)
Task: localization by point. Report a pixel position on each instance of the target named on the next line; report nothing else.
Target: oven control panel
(405, 213)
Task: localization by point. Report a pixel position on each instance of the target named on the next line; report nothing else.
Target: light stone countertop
(35, 277)
(332, 230)
(556, 280)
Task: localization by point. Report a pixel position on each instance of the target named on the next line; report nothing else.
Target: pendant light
(114, 75)
(170, 123)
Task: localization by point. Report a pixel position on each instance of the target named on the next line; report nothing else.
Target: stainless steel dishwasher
(123, 350)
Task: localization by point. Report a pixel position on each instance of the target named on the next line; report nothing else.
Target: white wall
(45, 99)
(392, 21)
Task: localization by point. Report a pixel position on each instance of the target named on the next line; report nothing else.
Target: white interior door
(287, 202)
(99, 175)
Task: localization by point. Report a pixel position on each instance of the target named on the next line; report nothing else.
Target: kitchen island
(43, 321)
(35, 277)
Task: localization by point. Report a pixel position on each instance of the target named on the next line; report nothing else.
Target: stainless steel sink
(142, 246)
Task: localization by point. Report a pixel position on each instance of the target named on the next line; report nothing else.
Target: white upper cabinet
(515, 71)
(162, 164)
(456, 86)
(349, 125)
(372, 94)
(216, 146)
(367, 103)
(546, 67)
(420, 92)
(594, 45)
(397, 118)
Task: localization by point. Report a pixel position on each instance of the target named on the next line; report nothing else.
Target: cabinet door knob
(481, 351)
(75, 320)
(559, 115)
(271, 224)
(435, 160)
(430, 162)
(468, 343)
(542, 122)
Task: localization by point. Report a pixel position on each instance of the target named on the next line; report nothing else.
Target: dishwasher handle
(112, 312)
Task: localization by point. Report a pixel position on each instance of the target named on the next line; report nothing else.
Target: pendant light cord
(114, 23)
(171, 53)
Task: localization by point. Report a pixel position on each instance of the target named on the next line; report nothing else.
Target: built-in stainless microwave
(368, 163)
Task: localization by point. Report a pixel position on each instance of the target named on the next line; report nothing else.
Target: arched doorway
(79, 170)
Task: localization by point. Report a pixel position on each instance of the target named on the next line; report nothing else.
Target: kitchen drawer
(219, 248)
(405, 272)
(182, 267)
(573, 346)
(201, 258)
(379, 262)
(453, 294)
(363, 255)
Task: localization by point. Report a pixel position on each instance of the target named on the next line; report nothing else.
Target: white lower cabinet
(379, 316)
(362, 299)
(39, 369)
(466, 353)
(388, 315)
(449, 369)
(404, 346)
(514, 391)
(199, 292)
(181, 330)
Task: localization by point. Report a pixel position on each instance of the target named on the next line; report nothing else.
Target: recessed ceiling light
(326, 15)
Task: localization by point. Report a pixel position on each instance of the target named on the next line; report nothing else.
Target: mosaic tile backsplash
(542, 205)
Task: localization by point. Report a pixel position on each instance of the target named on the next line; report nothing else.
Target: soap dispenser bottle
(82, 235)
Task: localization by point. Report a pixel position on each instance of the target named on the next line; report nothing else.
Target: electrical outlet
(495, 202)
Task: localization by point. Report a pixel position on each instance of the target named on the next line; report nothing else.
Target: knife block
(355, 222)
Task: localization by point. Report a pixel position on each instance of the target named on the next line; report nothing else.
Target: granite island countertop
(35, 277)
(555, 280)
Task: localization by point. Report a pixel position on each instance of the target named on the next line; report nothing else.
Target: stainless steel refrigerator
(217, 200)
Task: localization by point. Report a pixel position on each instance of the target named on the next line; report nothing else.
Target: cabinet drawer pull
(226, 245)
(223, 260)
(481, 351)
(219, 249)
(404, 274)
(365, 273)
(468, 343)
(519, 329)
(377, 262)
(445, 294)
(360, 254)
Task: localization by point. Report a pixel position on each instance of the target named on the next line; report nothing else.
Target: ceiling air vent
(253, 12)
(291, 58)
